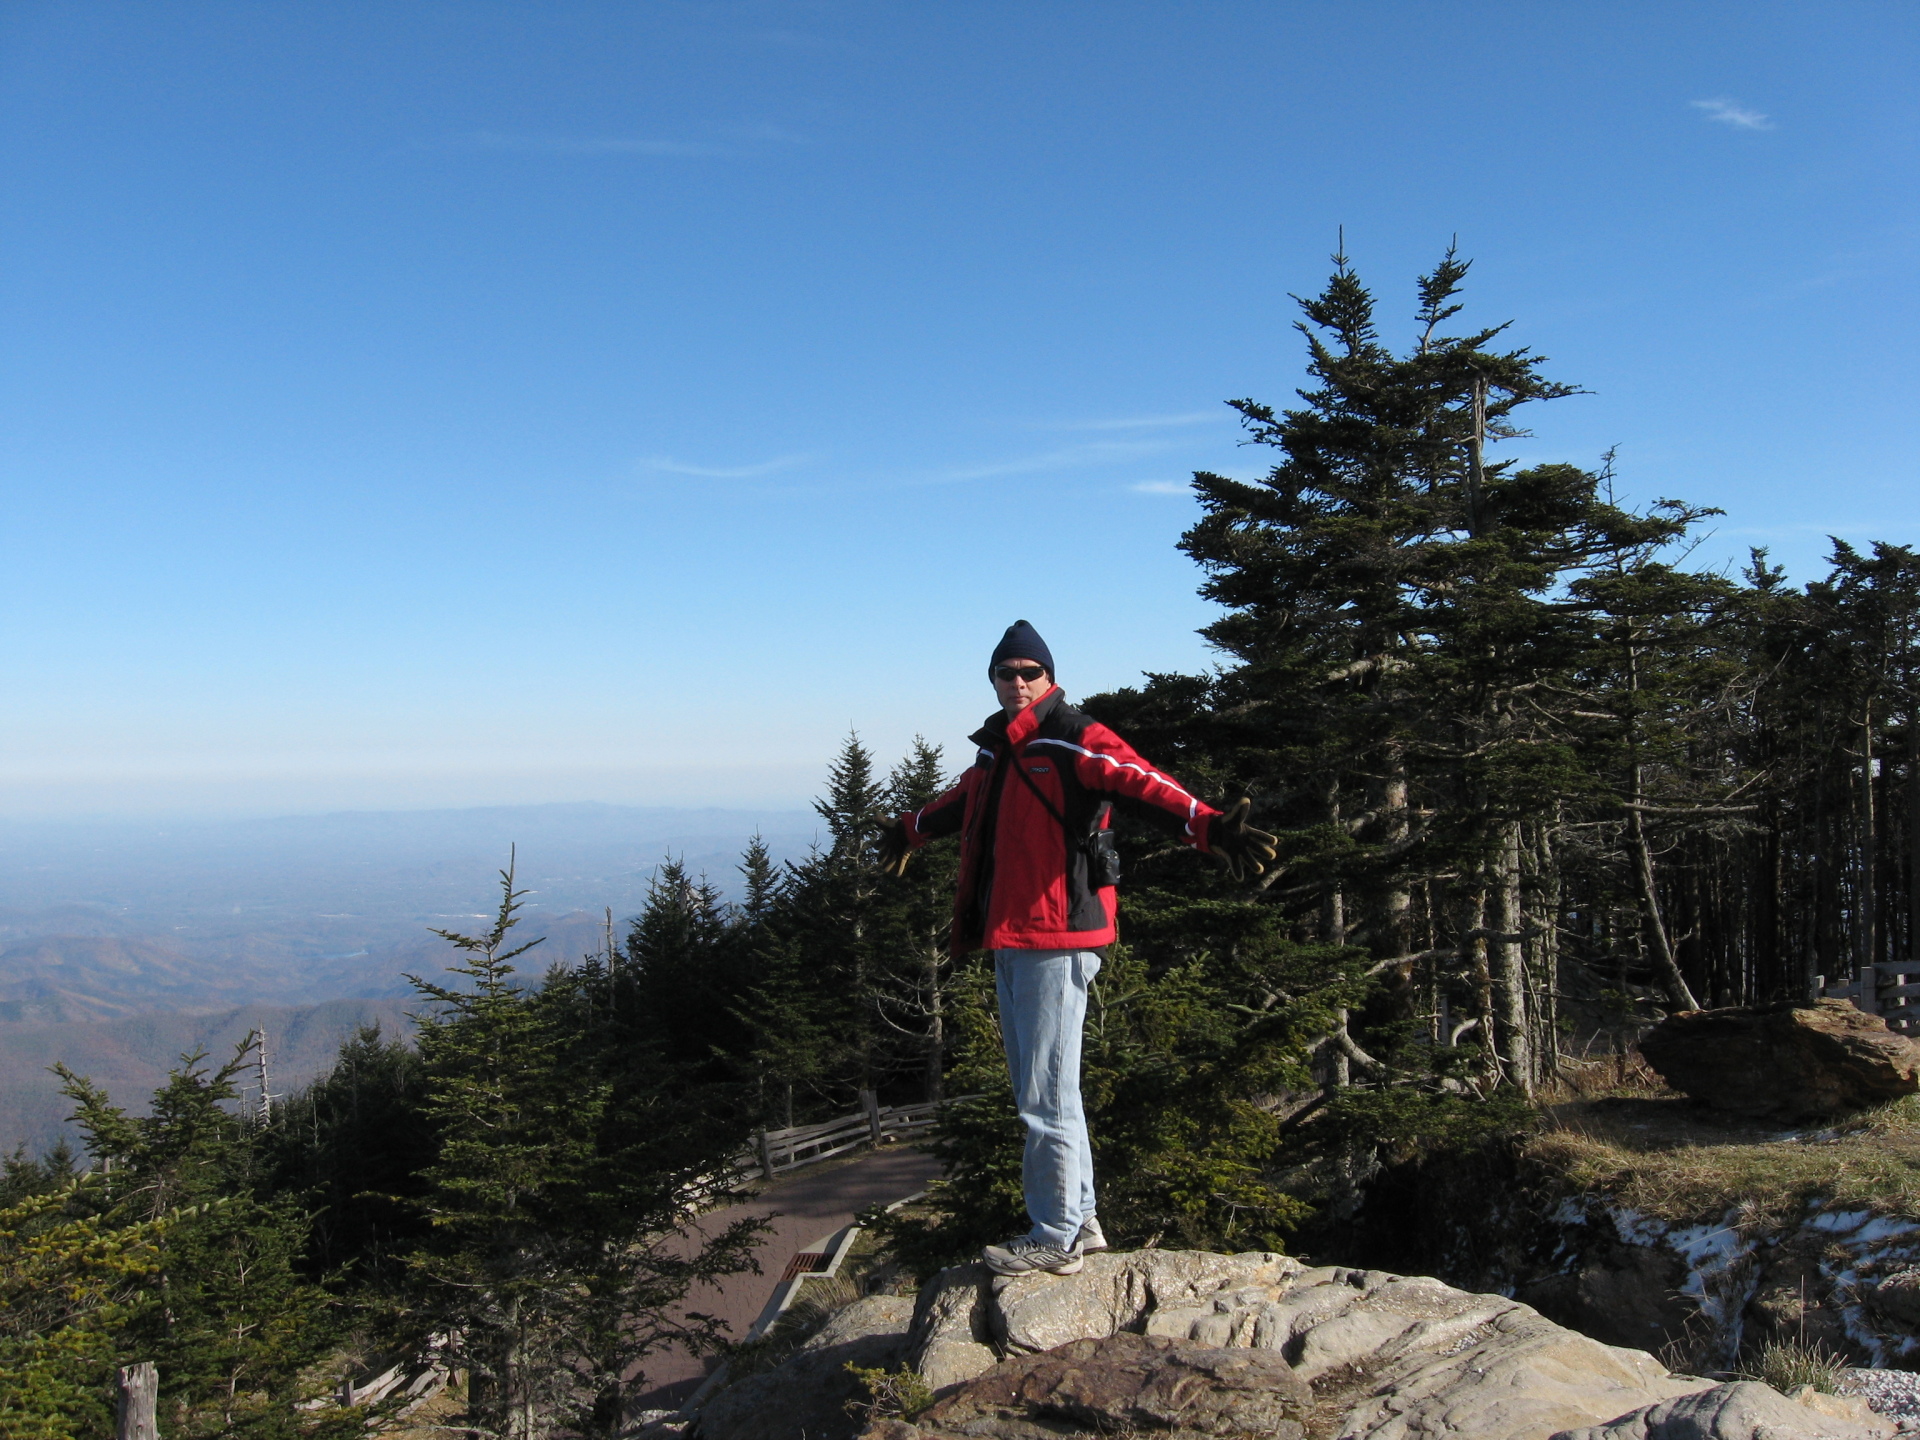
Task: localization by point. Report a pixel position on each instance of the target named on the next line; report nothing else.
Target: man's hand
(1237, 845)
(893, 848)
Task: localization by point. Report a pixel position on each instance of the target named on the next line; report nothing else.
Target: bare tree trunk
(1333, 930)
(1394, 935)
(1913, 833)
(1546, 972)
(1674, 982)
(139, 1399)
(1509, 963)
(935, 1074)
(1473, 931)
(1864, 949)
(516, 1382)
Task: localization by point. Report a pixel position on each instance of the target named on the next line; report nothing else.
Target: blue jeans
(1043, 1005)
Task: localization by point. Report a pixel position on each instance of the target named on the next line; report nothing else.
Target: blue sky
(467, 403)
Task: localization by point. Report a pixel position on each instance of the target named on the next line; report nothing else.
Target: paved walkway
(805, 1208)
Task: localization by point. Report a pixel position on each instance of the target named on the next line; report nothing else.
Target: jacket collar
(1000, 729)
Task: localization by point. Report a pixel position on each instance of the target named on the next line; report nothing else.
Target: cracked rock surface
(1186, 1344)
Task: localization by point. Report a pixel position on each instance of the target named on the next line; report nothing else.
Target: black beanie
(1022, 642)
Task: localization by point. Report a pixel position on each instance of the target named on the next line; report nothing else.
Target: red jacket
(1026, 857)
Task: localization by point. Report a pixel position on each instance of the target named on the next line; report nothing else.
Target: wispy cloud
(737, 140)
(573, 144)
(1069, 457)
(1161, 487)
(767, 135)
(1147, 422)
(1730, 112)
(724, 472)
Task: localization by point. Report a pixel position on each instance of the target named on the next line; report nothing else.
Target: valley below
(124, 945)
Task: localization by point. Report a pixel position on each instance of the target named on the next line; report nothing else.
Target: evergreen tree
(685, 977)
(571, 1159)
(352, 1146)
(833, 903)
(912, 952)
(70, 1280)
(228, 1317)
(785, 1016)
(1408, 644)
(21, 1177)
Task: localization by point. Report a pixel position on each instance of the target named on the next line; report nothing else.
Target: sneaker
(1025, 1255)
(1090, 1240)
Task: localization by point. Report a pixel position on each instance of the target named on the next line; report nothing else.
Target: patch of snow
(1710, 1247)
(1836, 1222)
(1635, 1228)
(1884, 1228)
(1570, 1211)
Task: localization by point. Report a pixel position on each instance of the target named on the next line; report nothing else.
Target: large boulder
(968, 1317)
(1784, 1062)
(1746, 1410)
(1386, 1356)
(807, 1397)
(1121, 1385)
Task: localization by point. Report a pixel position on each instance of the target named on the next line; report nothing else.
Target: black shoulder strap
(1040, 795)
(1020, 766)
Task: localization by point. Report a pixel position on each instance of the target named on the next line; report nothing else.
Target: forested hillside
(1537, 779)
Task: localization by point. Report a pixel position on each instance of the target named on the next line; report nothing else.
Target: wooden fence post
(139, 1398)
(870, 1102)
(766, 1154)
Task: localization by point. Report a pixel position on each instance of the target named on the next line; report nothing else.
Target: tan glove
(892, 848)
(1237, 845)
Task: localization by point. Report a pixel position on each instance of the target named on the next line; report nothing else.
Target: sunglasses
(1022, 672)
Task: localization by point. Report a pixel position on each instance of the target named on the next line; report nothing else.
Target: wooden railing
(775, 1152)
(1891, 991)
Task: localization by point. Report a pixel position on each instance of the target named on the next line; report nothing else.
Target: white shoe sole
(1072, 1267)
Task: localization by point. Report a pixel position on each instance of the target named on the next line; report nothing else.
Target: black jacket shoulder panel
(1065, 723)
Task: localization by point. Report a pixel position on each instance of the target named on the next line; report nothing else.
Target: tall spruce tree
(572, 1156)
(832, 908)
(1405, 641)
(227, 1316)
(786, 1017)
(352, 1147)
(913, 959)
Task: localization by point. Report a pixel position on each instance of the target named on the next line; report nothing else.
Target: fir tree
(352, 1145)
(70, 1280)
(228, 1317)
(572, 1157)
(913, 956)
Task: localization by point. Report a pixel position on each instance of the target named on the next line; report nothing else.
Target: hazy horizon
(121, 940)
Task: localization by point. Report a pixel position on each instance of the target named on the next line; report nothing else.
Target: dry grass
(1665, 1156)
(1786, 1365)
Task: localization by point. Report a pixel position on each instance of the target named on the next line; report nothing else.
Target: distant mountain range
(107, 927)
(130, 1057)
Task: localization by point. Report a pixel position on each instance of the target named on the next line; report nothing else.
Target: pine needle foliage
(70, 1279)
(227, 1315)
(569, 1165)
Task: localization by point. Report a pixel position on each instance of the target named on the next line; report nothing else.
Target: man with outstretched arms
(1036, 888)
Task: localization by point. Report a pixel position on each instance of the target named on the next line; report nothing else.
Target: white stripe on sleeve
(1193, 805)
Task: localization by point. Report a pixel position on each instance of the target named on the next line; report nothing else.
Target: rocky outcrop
(1743, 1411)
(807, 1397)
(1171, 1345)
(1123, 1384)
(1784, 1062)
(1384, 1356)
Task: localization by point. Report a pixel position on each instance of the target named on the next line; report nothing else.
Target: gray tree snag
(139, 1399)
